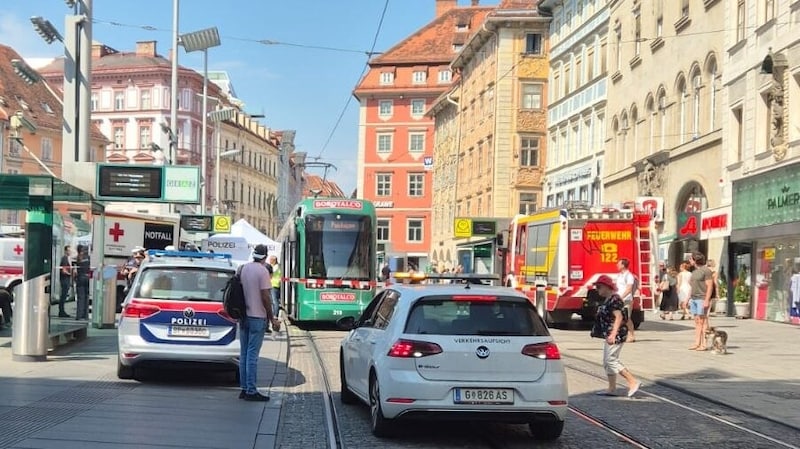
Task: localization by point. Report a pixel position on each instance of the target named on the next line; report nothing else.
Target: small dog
(718, 340)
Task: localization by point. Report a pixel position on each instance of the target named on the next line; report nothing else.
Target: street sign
(222, 223)
(462, 227)
(484, 227)
(148, 183)
(427, 162)
(197, 223)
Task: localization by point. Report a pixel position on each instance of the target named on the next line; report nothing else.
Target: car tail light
(413, 349)
(544, 351)
(224, 314)
(474, 298)
(137, 310)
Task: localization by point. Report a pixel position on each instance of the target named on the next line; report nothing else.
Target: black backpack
(233, 297)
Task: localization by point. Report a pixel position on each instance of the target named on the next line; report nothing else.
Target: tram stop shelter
(49, 207)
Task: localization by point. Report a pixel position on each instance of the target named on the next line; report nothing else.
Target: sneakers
(255, 397)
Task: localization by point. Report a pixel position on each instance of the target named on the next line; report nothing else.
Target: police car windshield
(171, 283)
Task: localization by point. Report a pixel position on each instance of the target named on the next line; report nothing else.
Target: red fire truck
(554, 256)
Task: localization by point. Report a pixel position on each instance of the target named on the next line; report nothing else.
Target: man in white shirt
(625, 283)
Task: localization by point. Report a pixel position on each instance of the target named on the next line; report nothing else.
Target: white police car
(455, 351)
(174, 315)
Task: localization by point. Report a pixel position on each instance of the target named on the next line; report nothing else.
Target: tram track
(333, 430)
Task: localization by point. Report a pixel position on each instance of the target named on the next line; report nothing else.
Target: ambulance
(555, 256)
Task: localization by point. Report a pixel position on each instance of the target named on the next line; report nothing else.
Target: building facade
(578, 88)
(395, 149)
(761, 143)
(34, 150)
(663, 144)
(490, 132)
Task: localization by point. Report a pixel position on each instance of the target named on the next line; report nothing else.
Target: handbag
(597, 330)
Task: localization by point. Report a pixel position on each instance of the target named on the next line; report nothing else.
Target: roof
(315, 185)
(38, 101)
(433, 43)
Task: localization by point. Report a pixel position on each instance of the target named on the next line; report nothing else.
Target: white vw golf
(455, 351)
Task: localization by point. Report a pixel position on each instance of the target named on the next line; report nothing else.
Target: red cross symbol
(116, 232)
(18, 249)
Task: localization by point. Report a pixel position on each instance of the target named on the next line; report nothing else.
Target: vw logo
(188, 312)
(482, 352)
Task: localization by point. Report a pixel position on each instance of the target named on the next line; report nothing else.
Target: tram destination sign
(148, 183)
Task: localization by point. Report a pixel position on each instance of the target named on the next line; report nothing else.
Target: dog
(718, 340)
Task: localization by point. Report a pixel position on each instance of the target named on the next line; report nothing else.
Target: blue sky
(295, 87)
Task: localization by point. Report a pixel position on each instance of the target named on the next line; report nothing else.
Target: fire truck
(556, 255)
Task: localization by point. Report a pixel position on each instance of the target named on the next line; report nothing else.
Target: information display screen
(130, 182)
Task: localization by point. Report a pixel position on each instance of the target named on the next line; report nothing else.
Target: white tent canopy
(253, 236)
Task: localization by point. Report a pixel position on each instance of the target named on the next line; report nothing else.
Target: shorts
(696, 307)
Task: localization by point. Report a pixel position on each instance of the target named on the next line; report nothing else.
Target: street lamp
(46, 29)
(201, 41)
(25, 72)
(217, 117)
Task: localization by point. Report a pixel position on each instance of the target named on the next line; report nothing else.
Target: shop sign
(689, 226)
(655, 204)
(574, 175)
(715, 223)
(767, 199)
(383, 204)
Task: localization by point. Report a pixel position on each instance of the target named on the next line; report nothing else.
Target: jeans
(66, 283)
(82, 292)
(251, 337)
(276, 300)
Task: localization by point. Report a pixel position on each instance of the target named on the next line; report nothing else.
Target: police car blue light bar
(187, 254)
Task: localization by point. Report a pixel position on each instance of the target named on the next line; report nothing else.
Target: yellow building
(249, 167)
(490, 133)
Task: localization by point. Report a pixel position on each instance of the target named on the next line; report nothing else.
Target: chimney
(442, 6)
(100, 50)
(475, 2)
(146, 48)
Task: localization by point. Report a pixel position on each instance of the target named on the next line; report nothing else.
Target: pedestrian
(5, 307)
(624, 285)
(669, 293)
(83, 267)
(276, 291)
(65, 281)
(684, 289)
(252, 327)
(385, 272)
(701, 282)
(610, 325)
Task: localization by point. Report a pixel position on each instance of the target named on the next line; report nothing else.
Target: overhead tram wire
(363, 71)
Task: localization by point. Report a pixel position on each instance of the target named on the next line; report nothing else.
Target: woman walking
(669, 293)
(684, 289)
(610, 326)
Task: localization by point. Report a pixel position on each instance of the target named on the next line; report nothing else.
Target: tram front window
(338, 246)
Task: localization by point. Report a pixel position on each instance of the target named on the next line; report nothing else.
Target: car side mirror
(346, 323)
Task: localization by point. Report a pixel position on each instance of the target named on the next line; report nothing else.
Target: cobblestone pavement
(658, 417)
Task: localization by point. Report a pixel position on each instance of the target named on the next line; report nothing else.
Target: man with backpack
(626, 286)
(256, 286)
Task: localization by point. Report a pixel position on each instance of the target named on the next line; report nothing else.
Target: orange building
(395, 148)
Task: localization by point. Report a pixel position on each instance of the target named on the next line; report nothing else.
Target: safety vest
(276, 276)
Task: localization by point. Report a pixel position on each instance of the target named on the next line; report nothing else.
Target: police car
(173, 314)
(453, 348)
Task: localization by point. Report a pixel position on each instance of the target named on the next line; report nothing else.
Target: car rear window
(479, 315)
(195, 284)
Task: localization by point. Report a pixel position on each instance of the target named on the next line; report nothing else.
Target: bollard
(109, 280)
(30, 330)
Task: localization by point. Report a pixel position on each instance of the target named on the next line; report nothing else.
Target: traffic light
(498, 240)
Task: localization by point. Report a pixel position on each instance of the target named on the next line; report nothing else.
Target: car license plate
(483, 396)
(189, 331)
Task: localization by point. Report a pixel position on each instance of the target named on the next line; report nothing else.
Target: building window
(47, 149)
(527, 203)
(144, 99)
(684, 8)
(417, 108)
(531, 96)
(583, 194)
(383, 184)
(144, 136)
(457, 47)
(637, 33)
(119, 137)
(769, 10)
(384, 143)
(445, 76)
(385, 108)
(419, 77)
(738, 133)
(529, 152)
(382, 230)
(741, 13)
(387, 78)
(414, 230)
(697, 85)
(618, 49)
(119, 101)
(416, 184)
(416, 142)
(533, 44)
(94, 102)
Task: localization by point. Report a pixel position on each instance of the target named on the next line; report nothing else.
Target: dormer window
(419, 77)
(47, 108)
(445, 76)
(23, 104)
(387, 78)
(457, 47)
(462, 27)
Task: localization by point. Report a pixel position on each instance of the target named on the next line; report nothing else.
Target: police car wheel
(125, 372)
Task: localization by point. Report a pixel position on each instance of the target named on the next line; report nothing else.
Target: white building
(577, 103)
